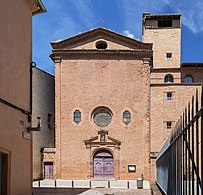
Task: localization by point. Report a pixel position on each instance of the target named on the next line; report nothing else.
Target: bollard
(140, 182)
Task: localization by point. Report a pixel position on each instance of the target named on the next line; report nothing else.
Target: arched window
(77, 116)
(188, 79)
(102, 117)
(168, 78)
(126, 117)
(101, 45)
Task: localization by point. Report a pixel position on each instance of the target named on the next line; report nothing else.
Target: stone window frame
(97, 111)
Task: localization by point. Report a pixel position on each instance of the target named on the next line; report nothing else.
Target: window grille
(102, 117)
(77, 116)
(126, 117)
(169, 96)
(168, 56)
(168, 78)
(188, 79)
(169, 124)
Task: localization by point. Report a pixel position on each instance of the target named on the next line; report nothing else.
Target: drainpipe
(32, 64)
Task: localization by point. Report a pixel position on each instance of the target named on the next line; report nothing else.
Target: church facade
(117, 99)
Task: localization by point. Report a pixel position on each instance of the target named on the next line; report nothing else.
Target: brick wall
(87, 84)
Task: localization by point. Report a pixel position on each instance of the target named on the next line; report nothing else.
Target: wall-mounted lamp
(38, 128)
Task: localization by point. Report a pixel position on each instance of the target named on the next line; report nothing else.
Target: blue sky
(65, 18)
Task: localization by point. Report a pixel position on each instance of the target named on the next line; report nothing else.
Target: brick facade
(118, 81)
(124, 76)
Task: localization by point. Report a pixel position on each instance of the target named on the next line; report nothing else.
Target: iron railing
(180, 162)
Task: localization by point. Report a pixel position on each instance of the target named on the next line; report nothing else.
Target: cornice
(104, 54)
(192, 65)
(165, 69)
(36, 6)
(174, 84)
(101, 33)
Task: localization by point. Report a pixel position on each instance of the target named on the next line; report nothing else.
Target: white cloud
(128, 34)
(192, 12)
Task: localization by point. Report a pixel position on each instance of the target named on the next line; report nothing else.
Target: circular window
(101, 45)
(102, 117)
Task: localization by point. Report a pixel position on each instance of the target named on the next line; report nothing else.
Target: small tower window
(101, 45)
(168, 124)
(164, 23)
(77, 116)
(169, 96)
(168, 56)
(168, 78)
(188, 79)
(126, 117)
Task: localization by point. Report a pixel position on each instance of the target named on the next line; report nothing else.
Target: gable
(89, 39)
(111, 45)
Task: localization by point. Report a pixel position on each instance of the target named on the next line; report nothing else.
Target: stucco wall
(43, 103)
(15, 47)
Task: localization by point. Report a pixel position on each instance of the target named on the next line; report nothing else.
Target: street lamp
(38, 128)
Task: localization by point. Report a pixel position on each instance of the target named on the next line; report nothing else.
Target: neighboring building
(171, 84)
(117, 99)
(15, 101)
(43, 141)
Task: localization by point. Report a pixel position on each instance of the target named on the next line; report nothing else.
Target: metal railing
(180, 162)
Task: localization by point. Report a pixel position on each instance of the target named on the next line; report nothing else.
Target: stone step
(125, 184)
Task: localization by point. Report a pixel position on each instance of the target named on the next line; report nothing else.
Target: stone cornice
(104, 54)
(174, 84)
(101, 33)
(165, 69)
(36, 6)
(192, 65)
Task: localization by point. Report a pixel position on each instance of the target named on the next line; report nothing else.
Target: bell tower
(164, 31)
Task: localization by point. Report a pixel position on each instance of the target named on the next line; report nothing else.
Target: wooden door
(48, 170)
(103, 164)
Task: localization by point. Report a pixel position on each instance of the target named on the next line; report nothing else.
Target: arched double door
(103, 164)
